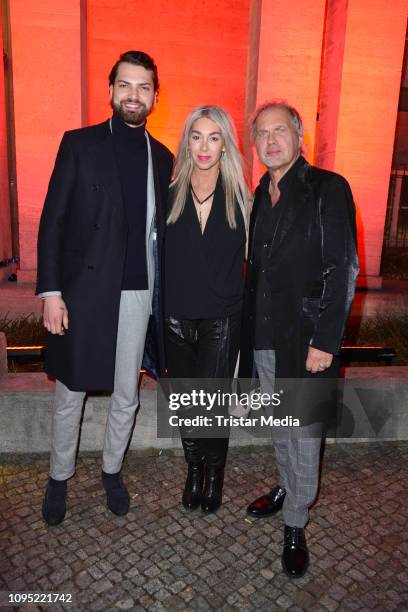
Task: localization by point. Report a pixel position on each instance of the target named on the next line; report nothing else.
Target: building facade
(338, 61)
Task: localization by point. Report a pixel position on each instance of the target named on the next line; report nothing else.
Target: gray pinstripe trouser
(297, 456)
(134, 316)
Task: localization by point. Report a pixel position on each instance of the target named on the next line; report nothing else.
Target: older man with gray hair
(302, 267)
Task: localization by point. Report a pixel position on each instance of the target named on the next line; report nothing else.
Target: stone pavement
(161, 557)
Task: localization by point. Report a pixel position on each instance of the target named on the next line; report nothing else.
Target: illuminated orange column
(200, 49)
(5, 222)
(359, 99)
(47, 101)
(289, 57)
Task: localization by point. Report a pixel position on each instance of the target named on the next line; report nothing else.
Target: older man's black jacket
(311, 268)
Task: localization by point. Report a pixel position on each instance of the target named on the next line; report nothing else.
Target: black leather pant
(203, 349)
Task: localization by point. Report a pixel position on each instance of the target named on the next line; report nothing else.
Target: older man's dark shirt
(267, 223)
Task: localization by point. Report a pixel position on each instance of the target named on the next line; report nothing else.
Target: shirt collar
(286, 178)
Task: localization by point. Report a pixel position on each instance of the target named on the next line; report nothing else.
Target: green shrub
(390, 330)
(394, 264)
(24, 330)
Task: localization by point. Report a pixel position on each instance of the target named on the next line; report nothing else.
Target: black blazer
(311, 271)
(81, 252)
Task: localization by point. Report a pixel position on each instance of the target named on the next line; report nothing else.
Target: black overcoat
(81, 252)
(311, 270)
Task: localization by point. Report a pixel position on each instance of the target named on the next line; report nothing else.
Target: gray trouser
(297, 455)
(133, 320)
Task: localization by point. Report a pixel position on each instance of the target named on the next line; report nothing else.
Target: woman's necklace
(200, 203)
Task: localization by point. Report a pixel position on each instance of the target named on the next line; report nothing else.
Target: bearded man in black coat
(99, 250)
(302, 269)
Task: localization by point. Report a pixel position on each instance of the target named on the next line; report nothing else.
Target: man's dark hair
(138, 58)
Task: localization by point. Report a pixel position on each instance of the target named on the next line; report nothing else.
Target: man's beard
(135, 117)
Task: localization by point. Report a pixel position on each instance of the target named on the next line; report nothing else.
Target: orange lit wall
(290, 46)
(46, 77)
(200, 49)
(341, 58)
(360, 88)
(5, 227)
(331, 80)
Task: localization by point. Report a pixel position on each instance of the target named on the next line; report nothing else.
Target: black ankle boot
(117, 495)
(193, 489)
(54, 504)
(212, 494)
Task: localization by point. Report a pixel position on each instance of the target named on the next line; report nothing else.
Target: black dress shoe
(193, 490)
(295, 556)
(212, 494)
(54, 504)
(268, 504)
(117, 495)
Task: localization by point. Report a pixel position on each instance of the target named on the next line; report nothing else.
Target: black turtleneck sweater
(131, 155)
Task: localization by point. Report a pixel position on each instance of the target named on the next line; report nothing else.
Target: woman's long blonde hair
(231, 167)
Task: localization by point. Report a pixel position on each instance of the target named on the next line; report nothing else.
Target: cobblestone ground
(161, 557)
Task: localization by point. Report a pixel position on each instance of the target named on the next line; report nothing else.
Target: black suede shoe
(268, 504)
(117, 495)
(295, 556)
(193, 489)
(212, 494)
(54, 504)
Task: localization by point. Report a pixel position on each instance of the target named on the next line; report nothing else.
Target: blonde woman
(204, 255)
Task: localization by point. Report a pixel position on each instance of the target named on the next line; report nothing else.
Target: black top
(204, 272)
(267, 223)
(131, 155)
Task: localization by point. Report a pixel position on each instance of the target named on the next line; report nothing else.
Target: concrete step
(373, 406)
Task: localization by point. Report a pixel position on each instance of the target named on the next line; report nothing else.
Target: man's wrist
(50, 294)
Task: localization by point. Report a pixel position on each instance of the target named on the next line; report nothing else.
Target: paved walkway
(17, 300)
(160, 557)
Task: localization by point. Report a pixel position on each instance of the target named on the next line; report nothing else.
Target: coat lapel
(151, 191)
(104, 158)
(156, 176)
(298, 194)
(252, 223)
(289, 215)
